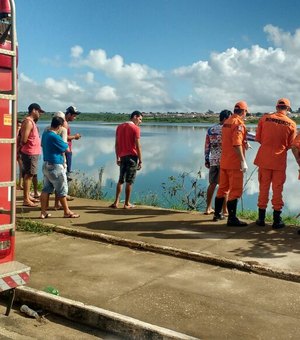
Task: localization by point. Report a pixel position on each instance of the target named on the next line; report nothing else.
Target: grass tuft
(33, 226)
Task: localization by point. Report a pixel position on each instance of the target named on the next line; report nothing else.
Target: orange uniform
(231, 177)
(276, 133)
(296, 142)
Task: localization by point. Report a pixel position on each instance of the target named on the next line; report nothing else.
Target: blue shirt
(53, 147)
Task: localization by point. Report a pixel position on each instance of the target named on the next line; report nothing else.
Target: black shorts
(30, 164)
(214, 174)
(128, 169)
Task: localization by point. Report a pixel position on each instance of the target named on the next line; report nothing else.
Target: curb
(246, 266)
(96, 317)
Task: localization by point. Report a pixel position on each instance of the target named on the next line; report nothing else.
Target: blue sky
(158, 55)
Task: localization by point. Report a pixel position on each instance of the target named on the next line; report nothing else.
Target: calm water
(168, 150)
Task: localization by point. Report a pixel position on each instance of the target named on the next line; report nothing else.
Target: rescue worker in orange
(296, 153)
(232, 165)
(275, 133)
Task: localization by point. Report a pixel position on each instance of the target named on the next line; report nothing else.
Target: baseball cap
(283, 101)
(59, 114)
(241, 105)
(72, 110)
(35, 106)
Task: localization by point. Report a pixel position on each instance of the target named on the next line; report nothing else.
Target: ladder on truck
(12, 273)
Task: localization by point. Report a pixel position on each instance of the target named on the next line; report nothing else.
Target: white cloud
(76, 51)
(106, 93)
(89, 77)
(256, 74)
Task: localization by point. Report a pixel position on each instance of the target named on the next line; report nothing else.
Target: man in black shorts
(128, 156)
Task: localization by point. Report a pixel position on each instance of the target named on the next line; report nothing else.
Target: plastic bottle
(30, 312)
(51, 290)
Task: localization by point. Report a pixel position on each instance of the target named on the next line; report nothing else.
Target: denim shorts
(128, 169)
(55, 178)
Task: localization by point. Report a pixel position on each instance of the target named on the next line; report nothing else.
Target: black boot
(277, 221)
(233, 221)
(218, 208)
(261, 217)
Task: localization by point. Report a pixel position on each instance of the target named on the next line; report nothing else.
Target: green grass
(252, 216)
(33, 226)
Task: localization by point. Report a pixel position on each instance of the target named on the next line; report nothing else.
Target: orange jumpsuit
(275, 133)
(231, 177)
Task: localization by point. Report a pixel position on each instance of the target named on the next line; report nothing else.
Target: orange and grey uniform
(296, 142)
(275, 133)
(231, 177)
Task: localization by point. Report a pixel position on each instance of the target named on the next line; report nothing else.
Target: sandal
(72, 215)
(31, 204)
(46, 215)
(114, 206)
(130, 206)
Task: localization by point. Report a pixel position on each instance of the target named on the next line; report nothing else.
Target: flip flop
(30, 205)
(34, 200)
(113, 206)
(209, 213)
(72, 215)
(43, 216)
(131, 206)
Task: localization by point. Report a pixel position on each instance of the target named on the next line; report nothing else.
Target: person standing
(275, 133)
(54, 169)
(70, 116)
(30, 148)
(232, 164)
(64, 135)
(19, 156)
(128, 156)
(212, 153)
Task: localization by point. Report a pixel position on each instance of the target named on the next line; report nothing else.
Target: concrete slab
(189, 231)
(192, 298)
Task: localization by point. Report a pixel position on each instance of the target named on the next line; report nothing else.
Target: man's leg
(209, 195)
(128, 189)
(35, 186)
(44, 205)
(26, 192)
(118, 194)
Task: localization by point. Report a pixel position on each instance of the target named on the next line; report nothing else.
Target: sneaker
(235, 222)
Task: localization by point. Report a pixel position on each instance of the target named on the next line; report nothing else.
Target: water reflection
(167, 150)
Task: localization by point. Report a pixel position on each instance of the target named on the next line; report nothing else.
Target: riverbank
(151, 118)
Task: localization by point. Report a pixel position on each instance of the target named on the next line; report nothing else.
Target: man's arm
(207, 151)
(26, 128)
(295, 152)
(139, 152)
(72, 137)
(118, 160)
(239, 151)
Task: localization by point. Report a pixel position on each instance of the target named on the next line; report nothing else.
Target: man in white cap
(71, 115)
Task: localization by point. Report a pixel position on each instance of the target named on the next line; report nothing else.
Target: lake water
(168, 150)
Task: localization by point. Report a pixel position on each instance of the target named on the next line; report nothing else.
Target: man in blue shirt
(54, 170)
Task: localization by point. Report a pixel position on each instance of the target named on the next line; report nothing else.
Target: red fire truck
(12, 273)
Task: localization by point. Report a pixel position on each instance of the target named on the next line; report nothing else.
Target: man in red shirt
(232, 164)
(128, 156)
(275, 133)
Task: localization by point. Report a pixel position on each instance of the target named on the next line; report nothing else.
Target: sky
(158, 55)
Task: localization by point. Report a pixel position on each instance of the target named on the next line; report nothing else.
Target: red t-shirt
(126, 136)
